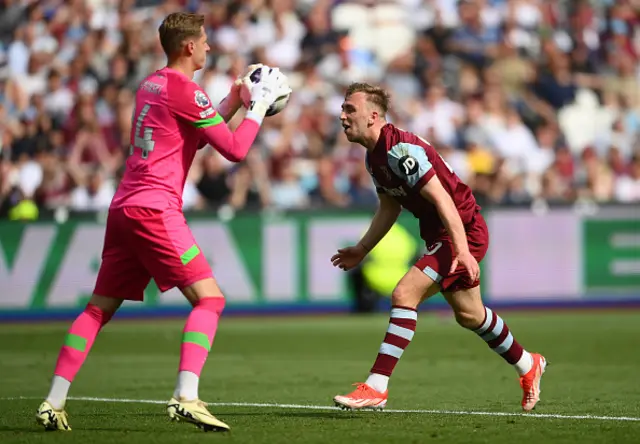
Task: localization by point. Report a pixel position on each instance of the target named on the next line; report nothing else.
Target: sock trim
(403, 313)
(75, 342)
(96, 313)
(214, 304)
(197, 338)
(402, 332)
(486, 323)
(404, 307)
(493, 333)
(390, 350)
(506, 344)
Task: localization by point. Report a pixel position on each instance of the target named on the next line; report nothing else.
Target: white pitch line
(323, 407)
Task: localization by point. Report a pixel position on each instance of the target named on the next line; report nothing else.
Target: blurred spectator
(525, 99)
(214, 183)
(628, 186)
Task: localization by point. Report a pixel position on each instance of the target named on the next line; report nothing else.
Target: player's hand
(468, 262)
(282, 83)
(347, 258)
(267, 89)
(241, 78)
(234, 94)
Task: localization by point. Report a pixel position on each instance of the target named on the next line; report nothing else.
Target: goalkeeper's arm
(234, 146)
(230, 105)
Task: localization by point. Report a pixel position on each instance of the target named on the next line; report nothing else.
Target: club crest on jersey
(408, 165)
(201, 99)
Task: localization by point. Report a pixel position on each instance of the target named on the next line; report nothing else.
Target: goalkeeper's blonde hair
(375, 94)
(178, 27)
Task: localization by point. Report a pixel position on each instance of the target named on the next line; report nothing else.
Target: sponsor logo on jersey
(408, 164)
(201, 99)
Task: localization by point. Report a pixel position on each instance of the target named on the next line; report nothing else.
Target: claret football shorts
(440, 253)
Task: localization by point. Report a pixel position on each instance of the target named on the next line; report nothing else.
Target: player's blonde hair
(178, 27)
(375, 94)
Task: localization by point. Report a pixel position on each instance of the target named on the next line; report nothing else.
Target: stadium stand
(528, 100)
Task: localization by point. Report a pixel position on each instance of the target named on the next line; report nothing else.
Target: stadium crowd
(527, 99)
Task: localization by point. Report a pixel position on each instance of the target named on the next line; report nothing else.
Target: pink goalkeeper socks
(79, 340)
(198, 334)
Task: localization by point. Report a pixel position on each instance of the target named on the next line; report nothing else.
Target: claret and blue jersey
(402, 163)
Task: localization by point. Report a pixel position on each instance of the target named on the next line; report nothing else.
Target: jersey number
(432, 250)
(144, 143)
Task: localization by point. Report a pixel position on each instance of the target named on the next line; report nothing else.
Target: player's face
(200, 49)
(356, 116)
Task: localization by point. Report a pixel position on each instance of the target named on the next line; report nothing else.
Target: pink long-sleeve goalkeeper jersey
(172, 119)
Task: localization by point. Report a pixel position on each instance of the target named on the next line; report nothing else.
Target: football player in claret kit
(409, 173)
(146, 233)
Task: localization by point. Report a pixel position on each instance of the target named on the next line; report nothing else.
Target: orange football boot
(363, 397)
(530, 382)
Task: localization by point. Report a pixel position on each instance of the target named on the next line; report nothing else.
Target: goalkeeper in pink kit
(146, 234)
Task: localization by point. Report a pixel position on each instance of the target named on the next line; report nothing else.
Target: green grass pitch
(594, 363)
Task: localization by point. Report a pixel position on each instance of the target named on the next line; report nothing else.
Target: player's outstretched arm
(386, 215)
(435, 193)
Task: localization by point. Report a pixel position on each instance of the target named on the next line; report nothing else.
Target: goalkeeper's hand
(270, 86)
(237, 84)
(283, 87)
(233, 101)
(240, 79)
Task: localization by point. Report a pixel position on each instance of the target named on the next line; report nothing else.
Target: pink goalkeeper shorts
(143, 243)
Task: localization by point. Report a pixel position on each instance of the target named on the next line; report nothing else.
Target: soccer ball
(245, 93)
